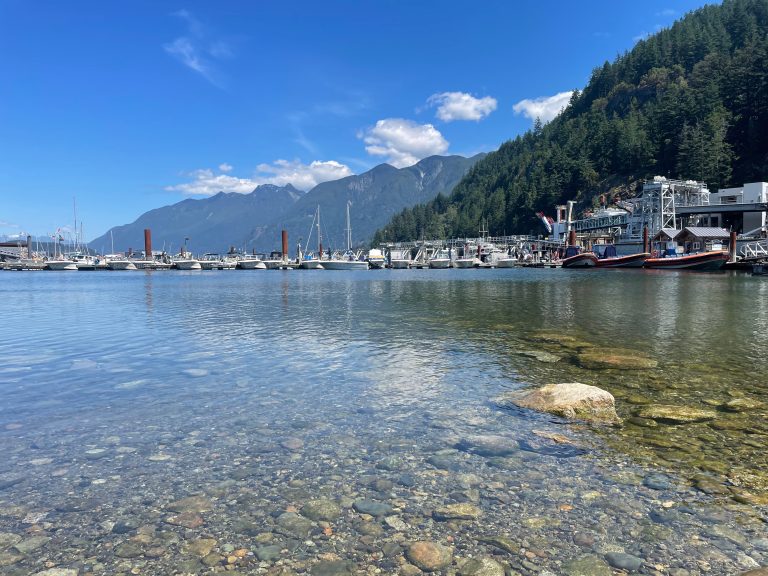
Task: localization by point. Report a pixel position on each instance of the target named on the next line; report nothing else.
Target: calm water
(121, 393)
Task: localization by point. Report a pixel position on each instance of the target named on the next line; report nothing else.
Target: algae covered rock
(570, 400)
(676, 414)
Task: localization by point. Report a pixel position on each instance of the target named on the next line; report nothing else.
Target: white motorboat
(61, 264)
(400, 263)
(187, 264)
(212, 261)
(253, 262)
(466, 262)
(311, 262)
(508, 262)
(348, 261)
(440, 260)
(115, 262)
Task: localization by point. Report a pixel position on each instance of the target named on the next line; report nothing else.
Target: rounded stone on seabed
(482, 566)
(372, 508)
(457, 512)
(321, 509)
(676, 414)
(429, 556)
(624, 561)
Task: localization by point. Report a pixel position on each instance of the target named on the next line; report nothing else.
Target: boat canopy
(572, 251)
(609, 252)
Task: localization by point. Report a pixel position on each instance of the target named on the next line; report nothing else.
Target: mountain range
(254, 221)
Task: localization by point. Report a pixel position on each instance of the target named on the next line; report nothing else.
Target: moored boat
(575, 258)
(712, 260)
(440, 260)
(376, 259)
(610, 259)
(247, 262)
(61, 264)
(348, 261)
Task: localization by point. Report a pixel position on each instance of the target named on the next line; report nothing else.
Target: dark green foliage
(688, 102)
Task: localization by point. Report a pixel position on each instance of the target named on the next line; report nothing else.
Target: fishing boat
(348, 260)
(610, 259)
(711, 260)
(575, 258)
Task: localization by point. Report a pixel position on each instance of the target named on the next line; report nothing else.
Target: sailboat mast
(349, 230)
(319, 235)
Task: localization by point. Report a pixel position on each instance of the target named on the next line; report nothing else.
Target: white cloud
(461, 106)
(195, 50)
(667, 12)
(303, 176)
(205, 182)
(403, 142)
(545, 108)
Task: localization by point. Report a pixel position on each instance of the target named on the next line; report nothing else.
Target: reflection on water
(262, 390)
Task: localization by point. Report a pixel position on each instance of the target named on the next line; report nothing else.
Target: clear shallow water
(124, 392)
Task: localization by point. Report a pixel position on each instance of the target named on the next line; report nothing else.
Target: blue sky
(129, 106)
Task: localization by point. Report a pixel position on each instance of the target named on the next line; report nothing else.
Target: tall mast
(319, 237)
(349, 230)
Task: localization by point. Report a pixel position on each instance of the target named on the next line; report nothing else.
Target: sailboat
(348, 261)
(307, 260)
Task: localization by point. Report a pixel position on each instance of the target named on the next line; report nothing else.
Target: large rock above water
(676, 414)
(570, 400)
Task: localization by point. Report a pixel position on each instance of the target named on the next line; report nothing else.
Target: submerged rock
(621, 359)
(429, 556)
(457, 512)
(482, 566)
(676, 414)
(372, 508)
(571, 400)
(742, 405)
(321, 509)
(587, 566)
(488, 445)
(191, 504)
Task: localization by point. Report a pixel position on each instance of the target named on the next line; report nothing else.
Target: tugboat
(609, 259)
(575, 258)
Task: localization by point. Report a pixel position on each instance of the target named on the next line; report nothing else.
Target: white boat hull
(507, 263)
(440, 263)
(251, 264)
(466, 263)
(311, 265)
(188, 265)
(400, 264)
(121, 265)
(61, 265)
(345, 265)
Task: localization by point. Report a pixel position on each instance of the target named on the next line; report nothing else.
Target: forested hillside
(689, 102)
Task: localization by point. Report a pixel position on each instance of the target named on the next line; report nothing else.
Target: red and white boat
(575, 258)
(712, 260)
(609, 259)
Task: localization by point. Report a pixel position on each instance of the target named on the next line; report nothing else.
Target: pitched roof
(707, 232)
